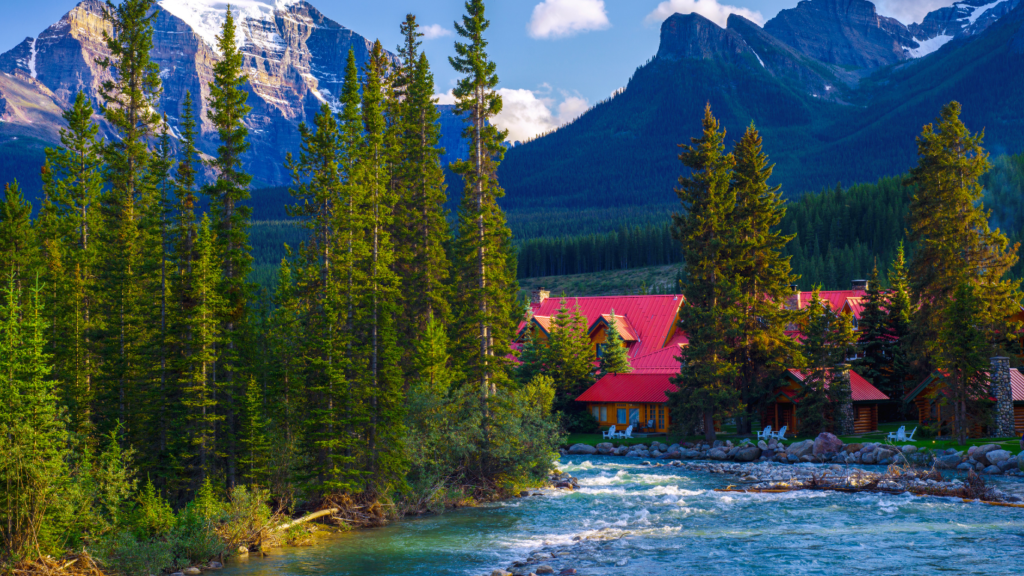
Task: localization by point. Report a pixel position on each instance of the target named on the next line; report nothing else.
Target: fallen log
(306, 518)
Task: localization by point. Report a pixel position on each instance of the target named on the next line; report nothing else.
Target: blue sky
(555, 57)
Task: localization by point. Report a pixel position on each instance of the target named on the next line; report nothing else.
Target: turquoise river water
(651, 521)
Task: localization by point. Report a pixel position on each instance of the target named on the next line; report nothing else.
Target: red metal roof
(661, 361)
(860, 389)
(650, 318)
(1017, 385)
(643, 387)
(621, 324)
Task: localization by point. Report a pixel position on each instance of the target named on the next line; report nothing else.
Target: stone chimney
(859, 285)
(999, 376)
(793, 300)
(539, 296)
(841, 386)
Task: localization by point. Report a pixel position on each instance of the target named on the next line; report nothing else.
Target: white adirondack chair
(610, 434)
(781, 434)
(628, 433)
(765, 434)
(910, 437)
(899, 435)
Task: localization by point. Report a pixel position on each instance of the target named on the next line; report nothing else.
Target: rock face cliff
(847, 33)
(294, 57)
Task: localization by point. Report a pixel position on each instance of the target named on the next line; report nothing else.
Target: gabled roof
(860, 389)
(544, 323)
(621, 324)
(633, 387)
(834, 299)
(650, 318)
(662, 361)
(1016, 385)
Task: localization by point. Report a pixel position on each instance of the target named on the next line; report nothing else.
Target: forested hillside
(840, 233)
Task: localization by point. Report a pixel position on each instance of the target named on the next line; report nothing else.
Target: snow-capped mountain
(960, 20)
(294, 56)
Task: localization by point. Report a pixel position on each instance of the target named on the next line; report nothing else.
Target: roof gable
(860, 389)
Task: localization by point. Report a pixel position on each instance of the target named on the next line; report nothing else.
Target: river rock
(799, 449)
(908, 449)
(214, 565)
(996, 456)
(718, 443)
(748, 454)
(964, 467)
(718, 454)
(992, 470)
(732, 452)
(947, 462)
(980, 452)
(762, 444)
(500, 572)
(827, 443)
(1008, 464)
(883, 453)
(582, 449)
(622, 450)
(243, 551)
(605, 448)
(851, 448)
(545, 569)
(191, 570)
(1020, 461)
(869, 458)
(690, 454)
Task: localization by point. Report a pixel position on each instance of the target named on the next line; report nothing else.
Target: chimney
(793, 300)
(859, 285)
(841, 385)
(999, 376)
(539, 296)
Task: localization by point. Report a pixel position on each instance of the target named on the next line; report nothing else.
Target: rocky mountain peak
(962, 19)
(848, 33)
(692, 36)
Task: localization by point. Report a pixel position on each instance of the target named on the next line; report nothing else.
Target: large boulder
(691, 454)
(992, 470)
(582, 449)
(1008, 464)
(996, 456)
(718, 454)
(851, 448)
(762, 444)
(882, 453)
(980, 452)
(947, 462)
(799, 449)
(605, 448)
(827, 443)
(621, 451)
(869, 457)
(908, 449)
(748, 454)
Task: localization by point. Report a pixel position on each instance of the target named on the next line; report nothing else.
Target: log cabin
(928, 398)
(781, 409)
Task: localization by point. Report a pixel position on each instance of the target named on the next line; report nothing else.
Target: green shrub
(581, 422)
(193, 538)
(152, 515)
(124, 554)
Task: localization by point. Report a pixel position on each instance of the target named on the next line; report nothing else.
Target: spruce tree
(421, 228)
(615, 358)
(19, 253)
(569, 359)
(762, 350)
(380, 305)
(125, 311)
(255, 443)
(227, 110)
(828, 342)
(73, 182)
(898, 324)
(874, 339)
(482, 254)
(949, 229)
(531, 356)
(705, 383)
(961, 353)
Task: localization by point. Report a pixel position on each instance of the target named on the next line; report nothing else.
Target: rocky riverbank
(826, 448)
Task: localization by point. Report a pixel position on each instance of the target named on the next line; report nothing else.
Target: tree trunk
(709, 426)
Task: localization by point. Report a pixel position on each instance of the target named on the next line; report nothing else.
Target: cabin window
(661, 418)
(634, 416)
(597, 413)
(622, 415)
(604, 414)
(600, 350)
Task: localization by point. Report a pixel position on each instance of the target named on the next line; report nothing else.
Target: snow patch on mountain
(206, 17)
(32, 60)
(926, 47)
(979, 11)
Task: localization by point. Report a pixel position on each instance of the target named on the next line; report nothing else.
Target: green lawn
(729, 433)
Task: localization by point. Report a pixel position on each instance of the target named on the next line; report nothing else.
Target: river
(648, 521)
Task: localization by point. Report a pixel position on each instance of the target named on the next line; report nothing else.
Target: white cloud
(909, 11)
(560, 18)
(530, 113)
(435, 31)
(710, 9)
